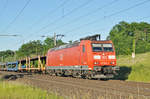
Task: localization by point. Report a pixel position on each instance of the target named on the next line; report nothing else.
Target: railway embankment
(75, 88)
(137, 69)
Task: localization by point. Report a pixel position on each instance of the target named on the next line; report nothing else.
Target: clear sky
(74, 18)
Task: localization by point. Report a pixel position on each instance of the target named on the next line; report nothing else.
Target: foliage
(137, 69)
(37, 47)
(33, 47)
(49, 43)
(6, 54)
(124, 35)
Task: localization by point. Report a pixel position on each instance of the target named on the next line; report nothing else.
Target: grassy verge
(11, 90)
(137, 69)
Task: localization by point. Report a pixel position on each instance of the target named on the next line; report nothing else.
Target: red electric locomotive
(89, 58)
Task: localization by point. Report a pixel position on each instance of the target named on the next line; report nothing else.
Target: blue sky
(73, 18)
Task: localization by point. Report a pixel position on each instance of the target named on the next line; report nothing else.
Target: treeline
(30, 49)
(130, 37)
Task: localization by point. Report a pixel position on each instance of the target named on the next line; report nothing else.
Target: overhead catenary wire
(85, 15)
(17, 16)
(138, 19)
(144, 18)
(70, 12)
(124, 11)
(4, 7)
(42, 18)
(113, 14)
(49, 13)
(5, 35)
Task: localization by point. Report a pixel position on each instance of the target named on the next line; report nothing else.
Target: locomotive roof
(69, 45)
(76, 43)
(102, 41)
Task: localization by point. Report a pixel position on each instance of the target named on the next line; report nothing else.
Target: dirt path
(86, 89)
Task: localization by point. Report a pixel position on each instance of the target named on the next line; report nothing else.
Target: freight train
(89, 58)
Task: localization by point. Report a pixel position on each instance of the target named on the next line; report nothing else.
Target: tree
(129, 36)
(6, 54)
(28, 49)
(49, 43)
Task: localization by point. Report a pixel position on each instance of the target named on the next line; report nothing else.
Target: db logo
(61, 56)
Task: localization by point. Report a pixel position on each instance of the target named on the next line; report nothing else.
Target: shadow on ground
(123, 73)
(12, 76)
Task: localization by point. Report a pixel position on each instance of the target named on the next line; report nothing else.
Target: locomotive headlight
(97, 57)
(96, 63)
(112, 62)
(111, 57)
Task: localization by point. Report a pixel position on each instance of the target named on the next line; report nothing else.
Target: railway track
(98, 85)
(114, 88)
(103, 84)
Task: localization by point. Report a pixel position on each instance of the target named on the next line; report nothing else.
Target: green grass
(11, 90)
(137, 69)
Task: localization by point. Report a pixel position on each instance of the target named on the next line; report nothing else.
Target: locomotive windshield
(97, 47)
(102, 47)
(107, 47)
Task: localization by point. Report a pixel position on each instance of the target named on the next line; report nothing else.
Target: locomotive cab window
(97, 47)
(102, 47)
(107, 47)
